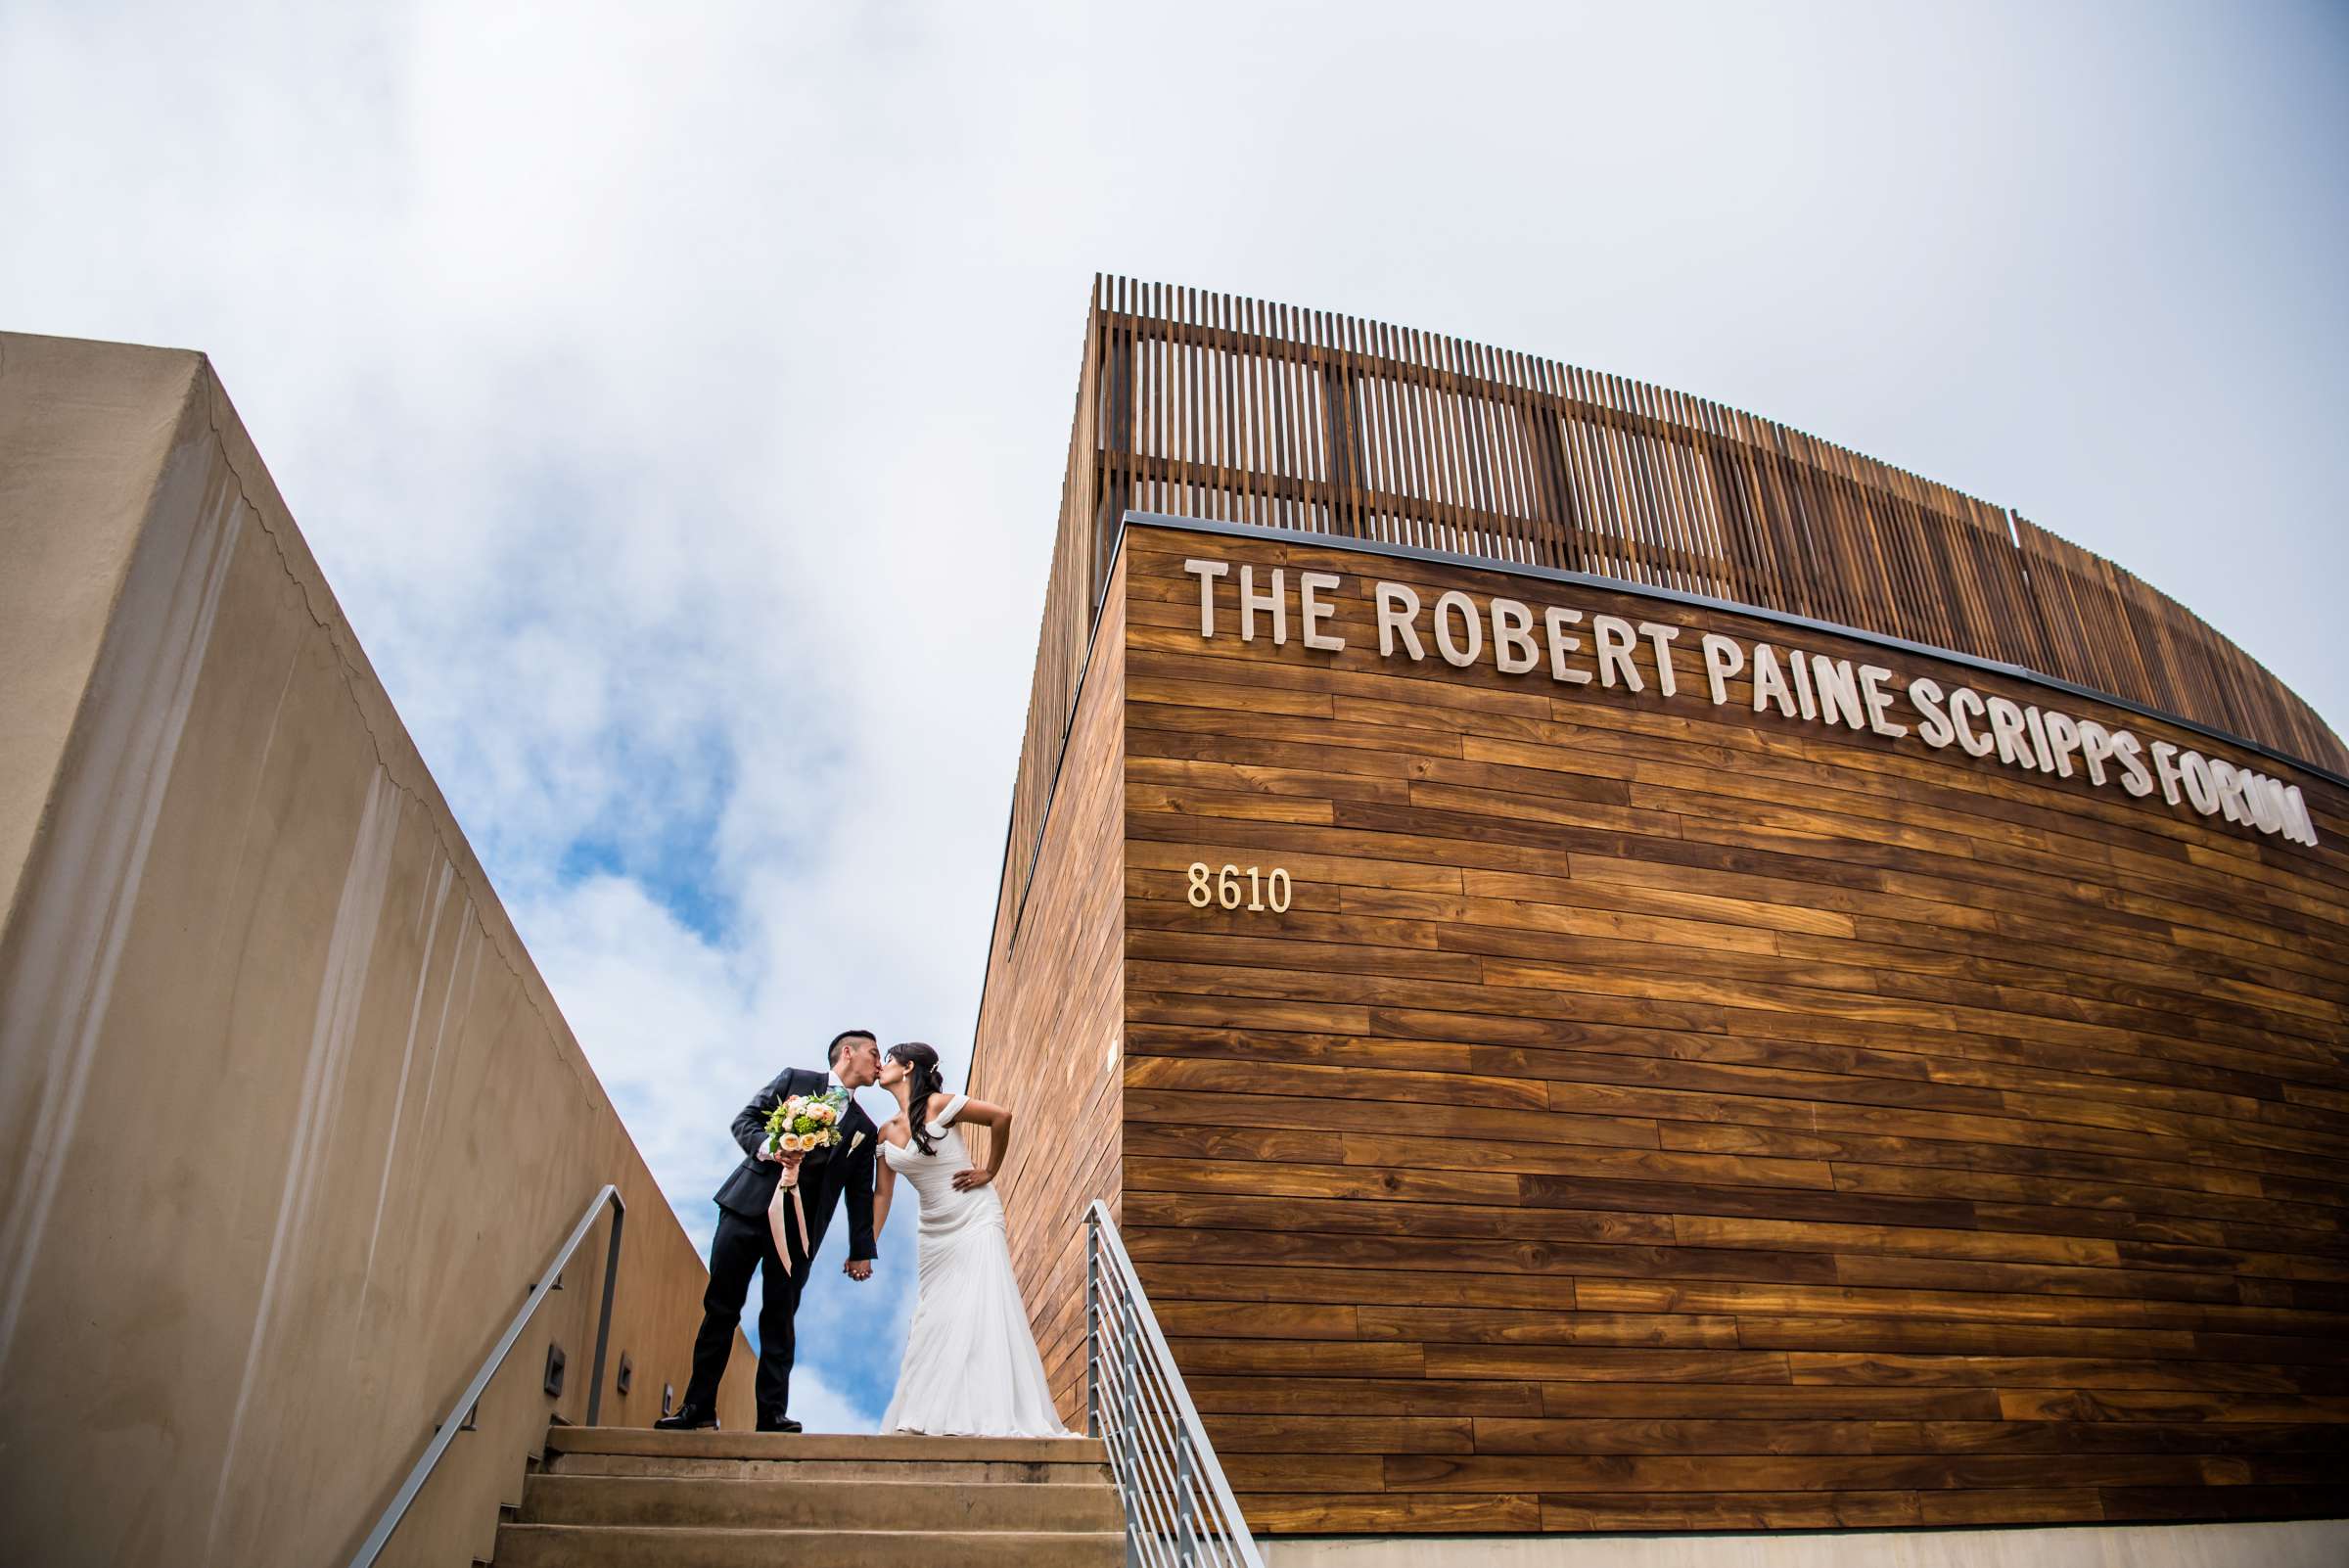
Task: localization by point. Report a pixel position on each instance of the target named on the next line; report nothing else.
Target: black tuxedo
(745, 1241)
(823, 1176)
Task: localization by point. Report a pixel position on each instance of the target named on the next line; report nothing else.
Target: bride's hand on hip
(972, 1180)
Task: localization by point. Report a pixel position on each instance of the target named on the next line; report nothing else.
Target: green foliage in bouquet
(805, 1123)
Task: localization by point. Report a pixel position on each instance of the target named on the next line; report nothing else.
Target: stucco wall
(287, 1119)
(2302, 1543)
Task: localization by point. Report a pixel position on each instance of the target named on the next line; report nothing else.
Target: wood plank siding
(1648, 1112)
(1050, 1026)
(1656, 1115)
(1209, 405)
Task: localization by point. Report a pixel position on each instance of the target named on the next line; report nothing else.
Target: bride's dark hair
(924, 1080)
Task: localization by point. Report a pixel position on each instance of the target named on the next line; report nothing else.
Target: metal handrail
(445, 1431)
(1178, 1506)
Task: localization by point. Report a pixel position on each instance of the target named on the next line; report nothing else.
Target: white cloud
(818, 1407)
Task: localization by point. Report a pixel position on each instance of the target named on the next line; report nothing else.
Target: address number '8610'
(1262, 891)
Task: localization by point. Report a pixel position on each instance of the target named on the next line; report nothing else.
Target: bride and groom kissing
(971, 1367)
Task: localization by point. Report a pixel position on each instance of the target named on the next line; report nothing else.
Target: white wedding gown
(971, 1368)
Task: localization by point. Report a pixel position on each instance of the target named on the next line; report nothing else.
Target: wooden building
(1586, 1028)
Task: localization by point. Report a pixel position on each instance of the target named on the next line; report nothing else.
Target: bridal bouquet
(805, 1123)
(801, 1125)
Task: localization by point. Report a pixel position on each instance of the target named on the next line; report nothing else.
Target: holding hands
(858, 1269)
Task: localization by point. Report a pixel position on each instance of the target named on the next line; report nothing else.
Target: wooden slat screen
(2121, 635)
(1216, 406)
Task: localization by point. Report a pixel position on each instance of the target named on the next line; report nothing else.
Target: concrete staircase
(630, 1497)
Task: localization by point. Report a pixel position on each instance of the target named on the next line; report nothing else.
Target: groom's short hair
(831, 1052)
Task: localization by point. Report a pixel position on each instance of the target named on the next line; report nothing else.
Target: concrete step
(949, 1471)
(632, 1497)
(799, 1503)
(646, 1443)
(551, 1545)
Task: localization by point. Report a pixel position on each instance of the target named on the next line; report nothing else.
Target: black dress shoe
(688, 1419)
(787, 1424)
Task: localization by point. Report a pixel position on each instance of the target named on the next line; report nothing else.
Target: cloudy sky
(677, 396)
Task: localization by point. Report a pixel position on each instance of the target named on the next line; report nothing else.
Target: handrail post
(446, 1430)
(603, 1319)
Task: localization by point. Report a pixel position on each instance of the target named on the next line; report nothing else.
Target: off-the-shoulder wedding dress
(971, 1368)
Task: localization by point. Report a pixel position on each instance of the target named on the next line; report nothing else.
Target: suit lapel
(836, 1157)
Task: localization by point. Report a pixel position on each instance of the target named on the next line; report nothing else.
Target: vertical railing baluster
(1129, 1401)
(1186, 1535)
(1093, 1323)
(1181, 1500)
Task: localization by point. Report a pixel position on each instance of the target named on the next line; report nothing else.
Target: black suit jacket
(823, 1176)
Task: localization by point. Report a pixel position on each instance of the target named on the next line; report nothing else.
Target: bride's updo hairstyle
(924, 1080)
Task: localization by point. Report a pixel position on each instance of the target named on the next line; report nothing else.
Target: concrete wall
(2302, 1543)
(287, 1119)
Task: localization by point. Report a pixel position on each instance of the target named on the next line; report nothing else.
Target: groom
(745, 1239)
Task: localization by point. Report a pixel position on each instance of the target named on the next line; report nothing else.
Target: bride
(971, 1367)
